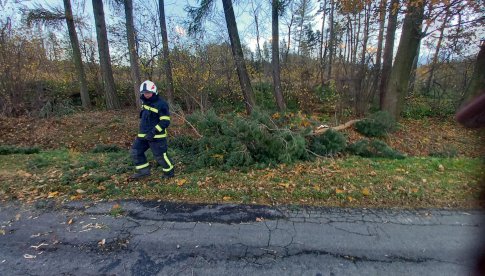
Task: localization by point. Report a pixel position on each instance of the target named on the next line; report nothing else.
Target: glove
(150, 136)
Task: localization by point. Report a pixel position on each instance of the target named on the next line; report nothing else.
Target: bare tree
(112, 101)
(406, 52)
(275, 55)
(55, 17)
(166, 52)
(388, 50)
(130, 35)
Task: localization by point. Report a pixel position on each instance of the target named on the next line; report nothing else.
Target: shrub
(329, 143)
(374, 148)
(6, 150)
(378, 124)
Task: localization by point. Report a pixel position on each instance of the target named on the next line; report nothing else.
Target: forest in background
(335, 58)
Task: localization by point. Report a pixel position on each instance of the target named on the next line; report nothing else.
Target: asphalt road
(159, 238)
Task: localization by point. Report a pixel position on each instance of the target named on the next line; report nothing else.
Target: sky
(175, 14)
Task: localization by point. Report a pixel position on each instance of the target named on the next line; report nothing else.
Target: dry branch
(339, 127)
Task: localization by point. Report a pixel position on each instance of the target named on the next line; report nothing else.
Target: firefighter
(154, 121)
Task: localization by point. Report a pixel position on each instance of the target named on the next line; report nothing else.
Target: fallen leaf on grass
(181, 182)
(372, 173)
(338, 191)
(366, 191)
(350, 198)
(284, 185)
(76, 197)
(226, 198)
(441, 168)
(52, 194)
(80, 191)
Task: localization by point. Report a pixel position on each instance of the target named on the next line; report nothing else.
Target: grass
(347, 181)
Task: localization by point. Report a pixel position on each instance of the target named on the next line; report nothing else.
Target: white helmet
(148, 86)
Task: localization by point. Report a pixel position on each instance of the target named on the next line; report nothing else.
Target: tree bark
(332, 37)
(406, 52)
(380, 39)
(436, 53)
(112, 101)
(166, 52)
(361, 99)
(275, 56)
(76, 53)
(477, 81)
(237, 53)
(134, 65)
(388, 51)
(320, 55)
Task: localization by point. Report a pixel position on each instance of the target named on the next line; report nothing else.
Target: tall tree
(406, 52)
(134, 66)
(380, 39)
(76, 54)
(437, 50)
(361, 99)
(237, 52)
(388, 50)
(112, 101)
(166, 52)
(332, 39)
(323, 9)
(54, 18)
(477, 81)
(276, 7)
(198, 15)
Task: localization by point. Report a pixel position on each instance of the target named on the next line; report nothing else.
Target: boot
(141, 174)
(169, 174)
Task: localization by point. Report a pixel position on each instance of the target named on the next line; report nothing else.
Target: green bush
(378, 124)
(329, 143)
(6, 150)
(374, 148)
(105, 148)
(236, 142)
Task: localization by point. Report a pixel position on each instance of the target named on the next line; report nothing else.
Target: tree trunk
(477, 81)
(166, 52)
(361, 99)
(380, 38)
(237, 53)
(112, 101)
(134, 66)
(436, 53)
(76, 53)
(332, 37)
(322, 62)
(258, 47)
(275, 56)
(388, 51)
(302, 22)
(289, 38)
(401, 70)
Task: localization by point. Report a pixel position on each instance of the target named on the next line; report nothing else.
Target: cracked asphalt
(160, 238)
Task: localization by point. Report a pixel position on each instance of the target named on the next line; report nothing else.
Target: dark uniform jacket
(154, 117)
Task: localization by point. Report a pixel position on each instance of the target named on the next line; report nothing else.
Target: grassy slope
(67, 170)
